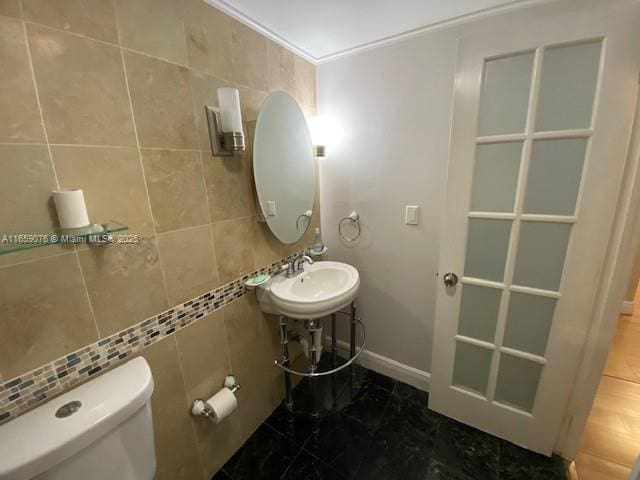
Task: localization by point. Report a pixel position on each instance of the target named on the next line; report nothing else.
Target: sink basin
(323, 288)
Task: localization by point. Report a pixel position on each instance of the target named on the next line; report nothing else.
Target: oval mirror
(283, 167)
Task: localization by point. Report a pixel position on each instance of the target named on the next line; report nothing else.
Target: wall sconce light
(225, 124)
(320, 128)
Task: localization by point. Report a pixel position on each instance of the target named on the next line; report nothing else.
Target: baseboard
(391, 368)
(627, 308)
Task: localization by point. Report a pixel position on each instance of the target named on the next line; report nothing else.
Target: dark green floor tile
(308, 467)
(340, 442)
(517, 463)
(439, 471)
(467, 450)
(265, 455)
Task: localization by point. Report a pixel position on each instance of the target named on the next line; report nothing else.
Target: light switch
(411, 214)
(271, 208)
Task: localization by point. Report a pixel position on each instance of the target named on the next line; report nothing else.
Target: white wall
(394, 106)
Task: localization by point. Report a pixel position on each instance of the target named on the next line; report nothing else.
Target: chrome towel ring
(353, 219)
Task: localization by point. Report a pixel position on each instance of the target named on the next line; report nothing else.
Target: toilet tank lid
(38, 440)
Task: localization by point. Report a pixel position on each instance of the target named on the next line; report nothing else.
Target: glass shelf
(94, 234)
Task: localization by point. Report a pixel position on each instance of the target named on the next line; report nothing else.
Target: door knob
(450, 279)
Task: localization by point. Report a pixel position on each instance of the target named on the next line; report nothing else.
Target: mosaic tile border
(26, 391)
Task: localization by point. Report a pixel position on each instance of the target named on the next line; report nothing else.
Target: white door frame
(625, 238)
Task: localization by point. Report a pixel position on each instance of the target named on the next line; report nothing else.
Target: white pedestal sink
(323, 288)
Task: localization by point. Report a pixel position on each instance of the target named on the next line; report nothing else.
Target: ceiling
(322, 29)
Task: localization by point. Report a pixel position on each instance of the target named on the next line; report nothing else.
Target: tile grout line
(138, 52)
(214, 269)
(293, 460)
(233, 418)
(177, 230)
(53, 165)
(25, 391)
(293, 442)
(226, 290)
(33, 260)
(186, 394)
(140, 161)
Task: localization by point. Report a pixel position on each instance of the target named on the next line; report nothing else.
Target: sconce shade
(230, 116)
(320, 130)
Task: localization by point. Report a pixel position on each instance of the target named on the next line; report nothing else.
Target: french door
(540, 128)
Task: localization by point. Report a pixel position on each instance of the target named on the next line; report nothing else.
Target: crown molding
(451, 22)
(448, 23)
(258, 27)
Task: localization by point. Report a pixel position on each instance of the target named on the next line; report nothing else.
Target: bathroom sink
(321, 289)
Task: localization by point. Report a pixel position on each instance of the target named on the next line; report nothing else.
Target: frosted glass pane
(479, 312)
(471, 367)
(554, 176)
(517, 382)
(495, 177)
(568, 86)
(505, 95)
(541, 254)
(487, 244)
(528, 322)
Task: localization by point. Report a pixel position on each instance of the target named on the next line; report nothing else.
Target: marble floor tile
(307, 467)
(403, 440)
(467, 450)
(266, 455)
(296, 427)
(221, 476)
(398, 453)
(411, 419)
(517, 463)
(410, 393)
(379, 380)
(341, 442)
(368, 405)
(439, 471)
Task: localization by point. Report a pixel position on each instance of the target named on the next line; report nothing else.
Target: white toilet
(101, 430)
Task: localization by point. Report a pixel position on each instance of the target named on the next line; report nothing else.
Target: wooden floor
(611, 441)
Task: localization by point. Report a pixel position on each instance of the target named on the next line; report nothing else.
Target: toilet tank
(101, 430)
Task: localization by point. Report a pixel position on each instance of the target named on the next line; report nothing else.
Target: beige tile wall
(109, 95)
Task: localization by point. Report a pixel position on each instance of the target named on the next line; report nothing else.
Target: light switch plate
(271, 208)
(411, 214)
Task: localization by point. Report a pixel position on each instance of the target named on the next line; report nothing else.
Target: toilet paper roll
(72, 211)
(223, 404)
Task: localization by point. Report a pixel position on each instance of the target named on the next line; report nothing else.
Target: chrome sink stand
(312, 326)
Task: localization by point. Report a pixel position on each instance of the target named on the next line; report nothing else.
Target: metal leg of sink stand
(284, 359)
(352, 346)
(334, 358)
(334, 340)
(313, 359)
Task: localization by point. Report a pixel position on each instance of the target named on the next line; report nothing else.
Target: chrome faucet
(296, 267)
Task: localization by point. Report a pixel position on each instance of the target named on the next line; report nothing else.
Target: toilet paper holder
(200, 408)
